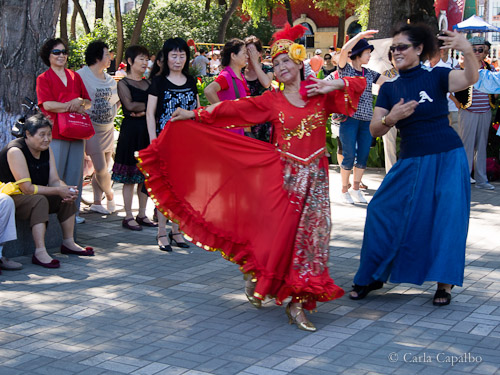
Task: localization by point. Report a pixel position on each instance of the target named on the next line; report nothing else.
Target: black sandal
(442, 293)
(163, 247)
(363, 290)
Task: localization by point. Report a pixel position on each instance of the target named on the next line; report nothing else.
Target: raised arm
(461, 79)
(489, 82)
(265, 79)
(344, 52)
(233, 113)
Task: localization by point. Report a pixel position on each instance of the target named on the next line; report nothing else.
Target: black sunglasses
(478, 50)
(57, 52)
(400, 47)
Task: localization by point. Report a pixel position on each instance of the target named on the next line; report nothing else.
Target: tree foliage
(187, 19)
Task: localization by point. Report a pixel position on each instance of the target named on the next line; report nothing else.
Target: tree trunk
(289, 15)
(78, 7)
(341, 33)
(207, 5)
(63, 21)
(381, 18)
(223, 3)
(99, 9)
(387, 14)
(225, 20)
(119, 33)
(72, 31)
(138, 25)
(25, 27)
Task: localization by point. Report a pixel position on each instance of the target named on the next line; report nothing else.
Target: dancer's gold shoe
(306, 325)
(249, 290)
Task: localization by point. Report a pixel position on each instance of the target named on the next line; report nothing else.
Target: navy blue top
(427, 131)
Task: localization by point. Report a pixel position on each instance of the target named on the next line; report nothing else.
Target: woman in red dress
(263, 206)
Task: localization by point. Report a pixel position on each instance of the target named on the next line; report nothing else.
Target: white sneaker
(99, 209)
(346, 198)
(111, 206)
(79, 219)
(485, 186)
(472, 181)
(358, 196)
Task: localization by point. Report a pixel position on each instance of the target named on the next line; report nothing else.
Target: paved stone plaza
(133, 309)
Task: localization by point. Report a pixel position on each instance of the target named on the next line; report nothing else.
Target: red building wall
(321, 18)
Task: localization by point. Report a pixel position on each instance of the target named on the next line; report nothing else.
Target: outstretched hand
(367, 34)
(455, 40)
(323, 87)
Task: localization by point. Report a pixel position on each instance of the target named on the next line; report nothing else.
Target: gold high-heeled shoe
(257, 303)
(305, 326)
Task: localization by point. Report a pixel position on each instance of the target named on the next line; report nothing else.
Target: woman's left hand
(181, 114)
(455, 40)
(323, 87)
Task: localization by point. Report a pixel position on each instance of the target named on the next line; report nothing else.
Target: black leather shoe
(163, 247)
(175, 243)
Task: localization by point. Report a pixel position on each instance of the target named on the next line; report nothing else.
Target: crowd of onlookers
(48, 166)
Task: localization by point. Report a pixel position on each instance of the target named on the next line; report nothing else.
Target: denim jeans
(356, 141)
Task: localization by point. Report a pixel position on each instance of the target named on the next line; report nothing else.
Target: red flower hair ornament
(283, 42)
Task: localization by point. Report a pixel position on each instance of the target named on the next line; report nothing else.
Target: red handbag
(75, 125)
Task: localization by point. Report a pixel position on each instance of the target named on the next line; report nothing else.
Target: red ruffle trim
(206, 236)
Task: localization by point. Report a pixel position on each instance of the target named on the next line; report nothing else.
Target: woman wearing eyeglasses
(62, 90)
(417, 222)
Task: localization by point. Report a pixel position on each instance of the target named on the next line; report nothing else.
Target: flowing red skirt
(227, 193)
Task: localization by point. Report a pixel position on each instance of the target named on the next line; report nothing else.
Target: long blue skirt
(417, 222)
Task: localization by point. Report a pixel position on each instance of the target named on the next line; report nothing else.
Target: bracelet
(384, 123)
(36, 189)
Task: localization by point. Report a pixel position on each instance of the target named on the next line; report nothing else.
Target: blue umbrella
(475, 24)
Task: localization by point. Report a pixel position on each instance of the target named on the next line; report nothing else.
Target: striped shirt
(480, 102)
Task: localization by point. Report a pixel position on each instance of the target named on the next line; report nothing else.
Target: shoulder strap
(236, 91)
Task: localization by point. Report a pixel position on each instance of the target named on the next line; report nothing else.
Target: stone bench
(24, 244)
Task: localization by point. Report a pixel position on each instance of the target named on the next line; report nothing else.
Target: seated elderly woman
(30, 162)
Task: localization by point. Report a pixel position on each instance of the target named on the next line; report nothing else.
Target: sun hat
(360, 47)
(477, 40)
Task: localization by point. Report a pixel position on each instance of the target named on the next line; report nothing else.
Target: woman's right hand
(68, 193)
(182, 114)
(253, 55)
(402, 110)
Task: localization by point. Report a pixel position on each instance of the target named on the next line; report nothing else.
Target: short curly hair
(419, 34)
(95, 52)
(49, 46)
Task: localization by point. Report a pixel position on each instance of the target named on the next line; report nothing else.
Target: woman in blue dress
(417, 222)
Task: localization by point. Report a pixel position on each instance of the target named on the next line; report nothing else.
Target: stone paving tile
(132, 309)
